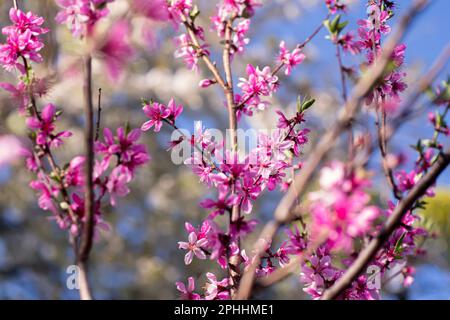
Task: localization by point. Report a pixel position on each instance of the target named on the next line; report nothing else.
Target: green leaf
(307, 104)
(398, 245)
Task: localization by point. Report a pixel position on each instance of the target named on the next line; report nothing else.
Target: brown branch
(99, 114)
(88, 227)
(301, 181)
(367, 255)
(233, 261)
(382, 145)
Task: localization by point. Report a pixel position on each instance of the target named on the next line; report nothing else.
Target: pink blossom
(223, 203)
(297, 242)
(259, 83)
(117, 184)
(22, 40)
(205, 83)
(43, 185)
(187, 293)
(157, 113)
(81, 15)
(194, 246)
(187, 52)
(239, 38)
(74, 175)
(116, 48)
(216, 290)
(290, 59)
(335, 5)
(179, 8)
(340, 210)
(19, 94)
(316, 272)
(125, 147)
(349, 44)
(45, 127)
(406, 180)
(155, 9)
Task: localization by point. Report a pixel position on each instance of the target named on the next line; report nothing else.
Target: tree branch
(392, 223)
(360, 91)
(88, 227)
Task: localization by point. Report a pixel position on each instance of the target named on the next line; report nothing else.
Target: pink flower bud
(205, 83)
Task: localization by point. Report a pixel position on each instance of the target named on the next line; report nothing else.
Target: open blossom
(117, 184)
(158, 113)
(197, 242)
(22, 40)
(116, 49)
(44, 126)
(178, 8)
(290, 58)
(239, 38)
(216, 290)
(316, 272)
(47, 190)
(340, 210)
(19, 94)
(124, 146)
(259, 83)
(75, 175)
(188, 52)
(81, 15)
(370, 33)
(349, 44)
(187, 292)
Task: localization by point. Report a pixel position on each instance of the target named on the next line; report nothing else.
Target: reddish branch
(88, 228)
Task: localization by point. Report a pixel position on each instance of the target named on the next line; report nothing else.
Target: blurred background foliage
(138, 258)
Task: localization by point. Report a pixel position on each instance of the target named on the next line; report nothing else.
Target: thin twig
(301, 181)
(99, 114)
(281, 64)
(211, 66)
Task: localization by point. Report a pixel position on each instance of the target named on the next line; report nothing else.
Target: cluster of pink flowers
(61, 189)
(370, 34)
(238, 181)
(64, 188)
(159, 113)
(22, 40)
(81, 15)
(340, 210)
(263, 83)
(260, 83)
(232, 10)
(290, 59)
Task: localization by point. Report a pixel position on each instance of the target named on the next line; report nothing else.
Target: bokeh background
(138, 258)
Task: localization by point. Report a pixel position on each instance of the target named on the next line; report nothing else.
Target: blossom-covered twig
(360, 91)
(369, 252)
